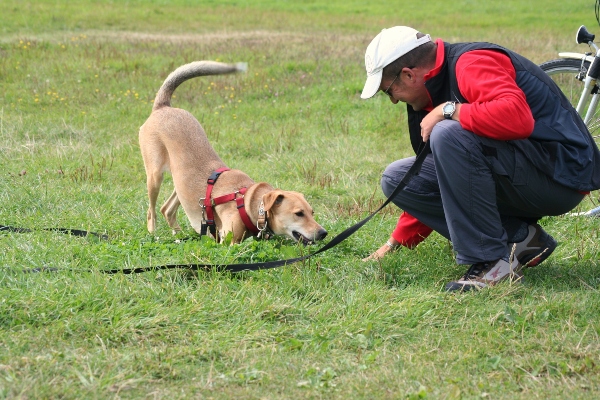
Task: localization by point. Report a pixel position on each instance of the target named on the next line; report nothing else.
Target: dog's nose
(321, 234)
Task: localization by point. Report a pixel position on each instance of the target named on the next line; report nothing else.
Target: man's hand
(433, 118)
(390, 246)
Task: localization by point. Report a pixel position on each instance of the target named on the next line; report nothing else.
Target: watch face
(448, 110)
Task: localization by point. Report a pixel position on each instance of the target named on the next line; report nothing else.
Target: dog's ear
(301, 195)
(272, 198)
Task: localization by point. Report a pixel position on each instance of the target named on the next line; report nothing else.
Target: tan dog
(173, 140)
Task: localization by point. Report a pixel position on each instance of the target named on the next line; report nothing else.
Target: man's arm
(496, 106)
(410, 231)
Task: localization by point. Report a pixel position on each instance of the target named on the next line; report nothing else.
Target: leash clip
(261, 231)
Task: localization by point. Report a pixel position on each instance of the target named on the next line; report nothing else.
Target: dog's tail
(189, 71)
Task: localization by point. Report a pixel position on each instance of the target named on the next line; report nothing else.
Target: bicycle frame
(589, 84)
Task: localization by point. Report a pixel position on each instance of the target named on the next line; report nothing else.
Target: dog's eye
(300, 213)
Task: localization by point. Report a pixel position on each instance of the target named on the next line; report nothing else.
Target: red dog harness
(207, 204)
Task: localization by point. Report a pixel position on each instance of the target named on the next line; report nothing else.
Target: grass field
(78, 79)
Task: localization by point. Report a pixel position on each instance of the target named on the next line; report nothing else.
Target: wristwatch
(449, 109)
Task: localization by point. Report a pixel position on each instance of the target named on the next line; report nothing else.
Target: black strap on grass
(234, 268)
(67, 231)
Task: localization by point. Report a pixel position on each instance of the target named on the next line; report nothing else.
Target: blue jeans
(477, 192)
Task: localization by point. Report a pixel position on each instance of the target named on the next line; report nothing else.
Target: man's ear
(408, 74)
(272, 198)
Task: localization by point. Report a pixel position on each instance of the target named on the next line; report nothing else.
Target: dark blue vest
(560, 145)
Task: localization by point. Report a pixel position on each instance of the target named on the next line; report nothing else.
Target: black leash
(234, 268)
(67, 231)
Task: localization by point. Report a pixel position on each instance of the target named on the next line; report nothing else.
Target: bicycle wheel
(566, 73)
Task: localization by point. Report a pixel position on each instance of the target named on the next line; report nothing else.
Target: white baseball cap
(389, 45)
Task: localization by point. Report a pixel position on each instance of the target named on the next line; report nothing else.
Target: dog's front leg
(228, 228)
(240, 232)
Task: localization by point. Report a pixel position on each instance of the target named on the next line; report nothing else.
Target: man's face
(408, 87)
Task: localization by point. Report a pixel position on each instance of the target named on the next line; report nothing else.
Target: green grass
(78, 79)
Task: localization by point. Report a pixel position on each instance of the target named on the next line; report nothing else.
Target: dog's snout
(321, 234)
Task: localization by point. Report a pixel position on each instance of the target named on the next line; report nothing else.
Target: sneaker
(482, 275)
(536, 247)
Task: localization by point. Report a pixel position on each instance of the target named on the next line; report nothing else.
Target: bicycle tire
(564, 72)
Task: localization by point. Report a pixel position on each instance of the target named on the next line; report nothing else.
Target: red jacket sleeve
(410, 231)
(496, 106)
